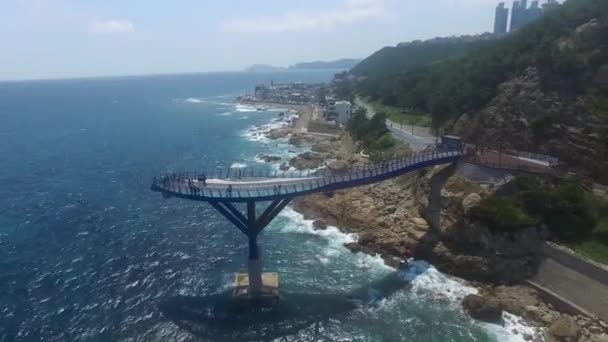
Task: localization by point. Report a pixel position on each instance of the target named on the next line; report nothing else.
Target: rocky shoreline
(425, 215)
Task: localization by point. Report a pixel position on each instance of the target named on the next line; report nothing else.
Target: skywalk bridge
(233, 185)
(223, 188)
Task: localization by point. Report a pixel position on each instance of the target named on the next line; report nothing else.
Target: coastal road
(418, 140)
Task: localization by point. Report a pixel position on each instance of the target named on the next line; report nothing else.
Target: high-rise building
(518, 14)
(534, 12)
(550, 5)
(501, 19)
(524, 4)
(521, 14)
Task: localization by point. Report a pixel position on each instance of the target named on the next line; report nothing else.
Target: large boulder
(599, 338)
(278, 133)
(485, 309)
(323, 146)
(470, 202)
(297, 140)
(319, 225)
(268, 158)
(338, 166)
(307, 160)
(565, 328)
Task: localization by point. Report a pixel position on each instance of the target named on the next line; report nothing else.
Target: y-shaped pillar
(252, 226)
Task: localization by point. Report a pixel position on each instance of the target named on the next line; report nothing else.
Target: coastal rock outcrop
(299, 139)
(397, 215)
(323, 146)
(485, 309)
(268, 158)
(338, 166)
(565, 328)
(281, 132)
(307, 160)
(319, 225)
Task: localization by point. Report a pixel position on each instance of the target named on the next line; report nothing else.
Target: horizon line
(76, 78)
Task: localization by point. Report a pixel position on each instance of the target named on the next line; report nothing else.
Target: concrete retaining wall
(582, 265)
(572, 283)
(481, 174)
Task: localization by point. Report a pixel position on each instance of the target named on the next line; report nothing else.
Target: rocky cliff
(567, 120)
(394, 219)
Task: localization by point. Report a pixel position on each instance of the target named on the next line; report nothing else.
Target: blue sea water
(89, 253)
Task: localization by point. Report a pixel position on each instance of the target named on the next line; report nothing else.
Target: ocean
(89, 253)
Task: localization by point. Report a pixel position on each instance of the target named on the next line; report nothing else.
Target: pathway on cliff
(418, 141)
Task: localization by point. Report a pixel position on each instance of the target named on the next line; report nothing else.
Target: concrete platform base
(270, 287)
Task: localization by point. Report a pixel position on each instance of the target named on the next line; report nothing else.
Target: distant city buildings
(338, 111)
(343, 112)
(288, 93)
(550, 5)
(501, 19)
(518, 14)
(521, 14)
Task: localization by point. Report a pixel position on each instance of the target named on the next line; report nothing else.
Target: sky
(41, 39)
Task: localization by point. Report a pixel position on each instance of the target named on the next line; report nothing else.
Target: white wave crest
(193, 100)
(428, 284)
(245, 108)
(300, 225)
(513, 323)
(258, 133)
(238, 166)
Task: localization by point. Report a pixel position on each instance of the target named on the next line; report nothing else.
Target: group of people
(186, 183)
(182, 178)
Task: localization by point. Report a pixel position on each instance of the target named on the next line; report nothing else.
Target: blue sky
(78, 38)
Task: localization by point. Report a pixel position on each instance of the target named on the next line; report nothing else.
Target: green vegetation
(467, 78)
(373, 136)
(403, 57)
(401, 115)
(576, 218)
(592, 249)
(502, 214)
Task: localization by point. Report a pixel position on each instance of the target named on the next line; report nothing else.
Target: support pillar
(254, 266)
(254, 284)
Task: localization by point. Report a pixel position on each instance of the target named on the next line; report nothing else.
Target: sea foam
(427, 283)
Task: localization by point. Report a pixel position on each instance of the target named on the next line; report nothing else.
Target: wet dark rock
(319, 225)
(268, 158)
(565, 327)
(485, 309)
(307, 160)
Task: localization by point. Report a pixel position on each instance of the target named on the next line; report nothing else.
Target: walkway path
(242, 185)
(417, 141)
(235, 186)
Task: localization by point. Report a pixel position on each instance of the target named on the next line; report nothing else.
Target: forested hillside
(460, 84)
(392, 60)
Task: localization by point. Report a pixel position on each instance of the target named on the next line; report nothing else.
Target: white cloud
(112, 26)
(349, 12)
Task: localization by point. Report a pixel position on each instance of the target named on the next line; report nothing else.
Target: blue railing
(187, 185)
